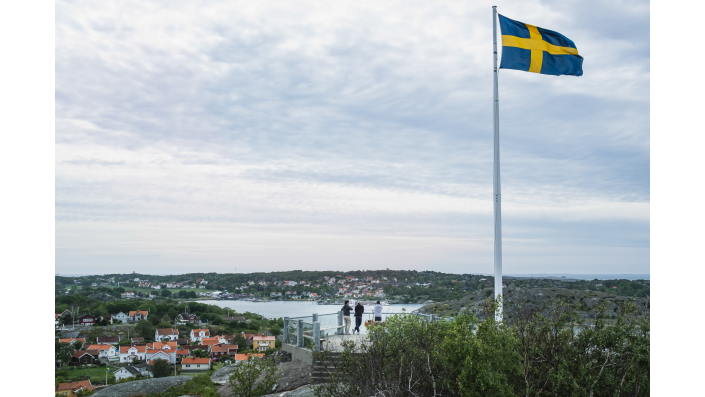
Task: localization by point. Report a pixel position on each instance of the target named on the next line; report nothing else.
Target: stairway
(323, 369)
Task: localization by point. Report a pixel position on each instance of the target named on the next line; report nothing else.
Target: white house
(195, 364)
(131, 371)
(128, 353)
(104, 351)
(121, 316)
(153, 355)
(166, 334)
(198, 334)
(137, 315)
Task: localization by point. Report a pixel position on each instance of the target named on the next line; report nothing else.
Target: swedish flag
(534, 49)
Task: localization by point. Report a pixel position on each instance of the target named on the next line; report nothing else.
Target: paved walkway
(334, 343)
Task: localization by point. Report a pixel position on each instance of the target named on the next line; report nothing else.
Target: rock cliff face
(534, 298)
(142, 387)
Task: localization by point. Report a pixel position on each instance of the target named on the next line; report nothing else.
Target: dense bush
(546, 352)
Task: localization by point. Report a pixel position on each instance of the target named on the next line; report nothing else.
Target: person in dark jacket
(359, 309)
(346, 316)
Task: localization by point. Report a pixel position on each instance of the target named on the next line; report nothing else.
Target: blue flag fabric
(538, 50)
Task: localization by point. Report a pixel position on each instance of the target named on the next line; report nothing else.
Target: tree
(201, 353)
(62, 352)
(161, 368)
(145, 329)
(253, 378)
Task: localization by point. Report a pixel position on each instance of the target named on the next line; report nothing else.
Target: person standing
(359, 309)
(378, 311)
(346, 316)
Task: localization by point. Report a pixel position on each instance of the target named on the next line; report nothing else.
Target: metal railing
(308, 331)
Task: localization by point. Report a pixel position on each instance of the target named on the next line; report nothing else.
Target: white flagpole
(496, 186)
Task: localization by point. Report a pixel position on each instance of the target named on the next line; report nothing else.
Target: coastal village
(121, 328)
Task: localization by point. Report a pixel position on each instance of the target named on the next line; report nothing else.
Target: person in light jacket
(378, 311)
(346, 316)
(359, 309)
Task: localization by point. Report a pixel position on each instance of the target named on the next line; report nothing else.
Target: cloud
(357, 119)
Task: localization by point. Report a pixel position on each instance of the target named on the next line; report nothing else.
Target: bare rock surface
(222, 375)
(291, 376)
(142, 387)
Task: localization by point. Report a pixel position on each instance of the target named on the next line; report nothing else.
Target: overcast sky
(265, 136)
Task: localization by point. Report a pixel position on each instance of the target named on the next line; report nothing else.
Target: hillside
(532, 298)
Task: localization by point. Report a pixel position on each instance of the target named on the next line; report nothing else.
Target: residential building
(70, 389)
(210, 341)
(198, 334)
(262, 343)
(121, 316)
(218, 351)
(104, 351)
(130, 371)
(85, 357)
(129, 353)
(108, 340)
(245, 356)
(186, 318)
(71, 340)
(166, 334)
(162, 350)
(137, 315)
(86, 319)
(195, 364)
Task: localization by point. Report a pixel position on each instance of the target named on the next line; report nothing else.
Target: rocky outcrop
(142, 387)
(222, 375)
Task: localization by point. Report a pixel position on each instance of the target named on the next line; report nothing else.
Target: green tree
(201, 353)
(62, 352)
(145, 329)
(253, 378)
(161, 368)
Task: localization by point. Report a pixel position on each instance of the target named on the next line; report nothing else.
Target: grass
(96, 375)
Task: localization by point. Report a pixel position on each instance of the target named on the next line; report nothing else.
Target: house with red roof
(137, 315)
(166, 334)
(217, 351)
(70, 389)
(106, 351)
(129, 353)
(195, 364)
(198, 334)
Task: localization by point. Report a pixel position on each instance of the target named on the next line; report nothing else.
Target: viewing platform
(326, 332)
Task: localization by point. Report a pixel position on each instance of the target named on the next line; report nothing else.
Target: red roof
(100, 347)
(240, 357)
(70, 340)
(223, 348)
(194, 360)
(140, 349)
(85, 384)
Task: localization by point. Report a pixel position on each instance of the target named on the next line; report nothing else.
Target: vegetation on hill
(542, 352)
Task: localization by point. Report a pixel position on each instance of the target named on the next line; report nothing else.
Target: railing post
(300, 333)
(286, 329)
(339, 331)
(316, 335)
